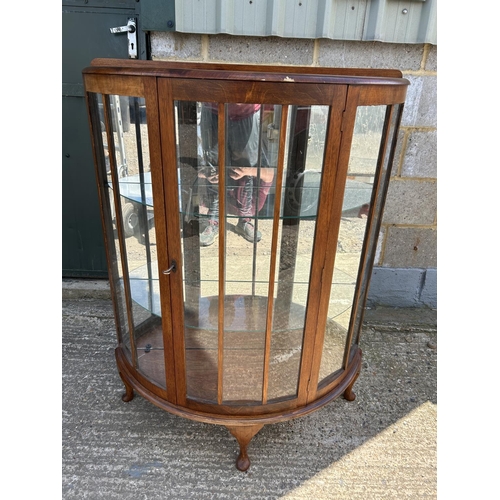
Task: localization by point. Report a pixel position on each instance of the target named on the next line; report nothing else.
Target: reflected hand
(214, 179)
(239, 172)
(266, 174)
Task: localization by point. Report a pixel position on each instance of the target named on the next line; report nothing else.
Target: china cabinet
(241, 207)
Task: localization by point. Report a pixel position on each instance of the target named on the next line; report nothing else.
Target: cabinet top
(247, 72)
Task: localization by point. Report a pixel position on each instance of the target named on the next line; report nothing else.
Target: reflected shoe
(207, 237)
(245, 228)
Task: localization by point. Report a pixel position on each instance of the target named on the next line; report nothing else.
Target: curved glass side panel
(388, 147)
(364, 157)
(129, 182)
(115, 263)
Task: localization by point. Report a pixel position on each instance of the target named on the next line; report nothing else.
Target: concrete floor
(382, 445)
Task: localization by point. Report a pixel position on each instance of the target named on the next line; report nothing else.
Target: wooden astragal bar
(241, 207)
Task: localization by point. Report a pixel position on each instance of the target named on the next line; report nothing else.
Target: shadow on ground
(382, 445)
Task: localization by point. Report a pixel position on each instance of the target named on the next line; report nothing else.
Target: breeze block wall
(405, 273)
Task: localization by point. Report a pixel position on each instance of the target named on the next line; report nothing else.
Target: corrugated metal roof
(409, 21)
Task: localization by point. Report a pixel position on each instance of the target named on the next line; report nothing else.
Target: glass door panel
(243, 336)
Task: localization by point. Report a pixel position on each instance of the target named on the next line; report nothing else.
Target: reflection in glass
(235, 335)
(129, 179)
(356, 204)
(115, 252)
(306, 135)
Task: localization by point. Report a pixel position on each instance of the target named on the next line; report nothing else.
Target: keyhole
(132, 45)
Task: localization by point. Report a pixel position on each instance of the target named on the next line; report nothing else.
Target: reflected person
(247, 183)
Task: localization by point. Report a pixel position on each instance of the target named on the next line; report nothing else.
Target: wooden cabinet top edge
(246, 72)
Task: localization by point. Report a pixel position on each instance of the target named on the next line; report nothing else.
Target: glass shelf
(136, 190)
(146, 293)
(305, 199)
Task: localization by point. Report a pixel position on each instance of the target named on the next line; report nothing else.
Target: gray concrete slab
(382, 445)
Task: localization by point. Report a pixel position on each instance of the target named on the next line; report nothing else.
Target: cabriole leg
(129, 391)
(244, 435)
(348, 394)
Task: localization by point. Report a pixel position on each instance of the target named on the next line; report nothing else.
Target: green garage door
(86, 35)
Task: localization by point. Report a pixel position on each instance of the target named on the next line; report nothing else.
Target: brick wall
(405, 274)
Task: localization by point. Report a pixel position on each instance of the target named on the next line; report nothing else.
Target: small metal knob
(171, 269)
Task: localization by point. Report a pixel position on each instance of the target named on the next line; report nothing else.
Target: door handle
(131, 30)
(171, 269)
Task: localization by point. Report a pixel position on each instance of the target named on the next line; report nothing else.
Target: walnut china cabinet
(245, 328)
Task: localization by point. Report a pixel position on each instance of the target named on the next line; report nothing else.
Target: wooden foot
(244, 435)
(129, 392)
(348, 394)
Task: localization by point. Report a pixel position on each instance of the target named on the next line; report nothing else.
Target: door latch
(171, 269)
(131, 30)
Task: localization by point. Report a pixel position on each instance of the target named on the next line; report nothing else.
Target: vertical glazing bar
(274, 246)
(119, 223)
(222, 244)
